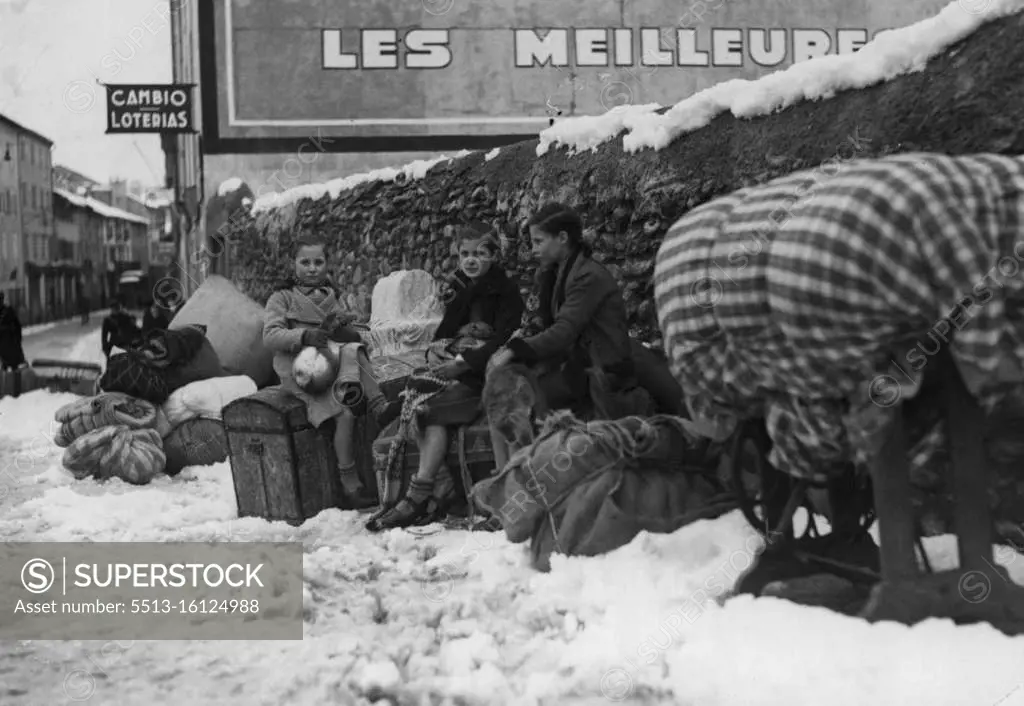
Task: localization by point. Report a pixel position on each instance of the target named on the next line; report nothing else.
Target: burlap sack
(586, 489)
(197, 442)
(234, 327)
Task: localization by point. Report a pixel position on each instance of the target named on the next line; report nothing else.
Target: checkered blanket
(805, 299)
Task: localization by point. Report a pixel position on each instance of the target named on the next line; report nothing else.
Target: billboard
(434, 75)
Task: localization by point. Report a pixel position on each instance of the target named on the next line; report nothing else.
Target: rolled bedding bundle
(103, 410)
(135, 456)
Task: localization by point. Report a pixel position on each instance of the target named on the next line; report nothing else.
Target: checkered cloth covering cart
(787, 300)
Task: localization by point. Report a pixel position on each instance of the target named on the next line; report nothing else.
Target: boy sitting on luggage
(308, 312)
(483, 310)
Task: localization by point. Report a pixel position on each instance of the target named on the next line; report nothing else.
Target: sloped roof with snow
(100, 208)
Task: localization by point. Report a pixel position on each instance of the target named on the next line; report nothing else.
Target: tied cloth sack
(584, 489)
(196, 442)
(106, 409)
(133, 455)
(162, 363)
(130, 374)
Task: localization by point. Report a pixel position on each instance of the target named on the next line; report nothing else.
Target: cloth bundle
(133, 455)
(150, 392)
(584, 489)
(806, 300)
(194, 433)
(128, 373)
(164, 362)
(111, 435)
(107, 409)
(166, 349)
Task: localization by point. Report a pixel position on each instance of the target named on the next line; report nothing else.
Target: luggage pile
(158, 411)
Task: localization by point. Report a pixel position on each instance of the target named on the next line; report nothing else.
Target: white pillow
(206, 398)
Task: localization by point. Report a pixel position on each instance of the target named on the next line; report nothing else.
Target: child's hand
(335, 320)
(315, 337)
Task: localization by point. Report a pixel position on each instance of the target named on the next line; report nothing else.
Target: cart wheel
(761, 490)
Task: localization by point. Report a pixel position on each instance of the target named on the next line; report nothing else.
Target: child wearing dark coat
(484, 304)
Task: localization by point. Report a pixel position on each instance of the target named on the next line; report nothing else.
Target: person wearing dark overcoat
(584, 334)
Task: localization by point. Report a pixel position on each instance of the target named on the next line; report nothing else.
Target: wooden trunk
(283, 467)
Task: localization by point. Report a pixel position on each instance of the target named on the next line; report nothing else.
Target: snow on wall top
(891, 54)
(229, 185)
(411, 171)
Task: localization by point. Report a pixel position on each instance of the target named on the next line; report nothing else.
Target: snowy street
(462, 618)
(65, 340)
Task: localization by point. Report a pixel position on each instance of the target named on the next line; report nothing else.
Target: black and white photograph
(494, 353)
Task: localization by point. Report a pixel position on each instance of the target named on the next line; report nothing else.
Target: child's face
(310, 264)
(548, 249)
(475, 258)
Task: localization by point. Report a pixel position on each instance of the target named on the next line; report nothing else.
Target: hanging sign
(150, 108)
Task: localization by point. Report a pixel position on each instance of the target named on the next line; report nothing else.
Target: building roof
(98, 207)
(21, 128)
(70, 175)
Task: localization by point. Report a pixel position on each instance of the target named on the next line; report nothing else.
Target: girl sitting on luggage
(308, 312)
(484, 301)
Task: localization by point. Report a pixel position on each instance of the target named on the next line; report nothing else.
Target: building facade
(120, 228)
(28, 226)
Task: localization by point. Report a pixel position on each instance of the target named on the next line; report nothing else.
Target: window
(24, 196)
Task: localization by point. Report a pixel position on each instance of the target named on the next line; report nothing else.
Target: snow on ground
(42, 328)
(462, 617)
(412, 171)
(889, 55)
(89, 349)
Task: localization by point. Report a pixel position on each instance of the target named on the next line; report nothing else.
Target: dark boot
(407, 513)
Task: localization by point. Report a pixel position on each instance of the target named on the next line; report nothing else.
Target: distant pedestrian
(119, 329)
(156, 318)
(83, 308)
(11, 354)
